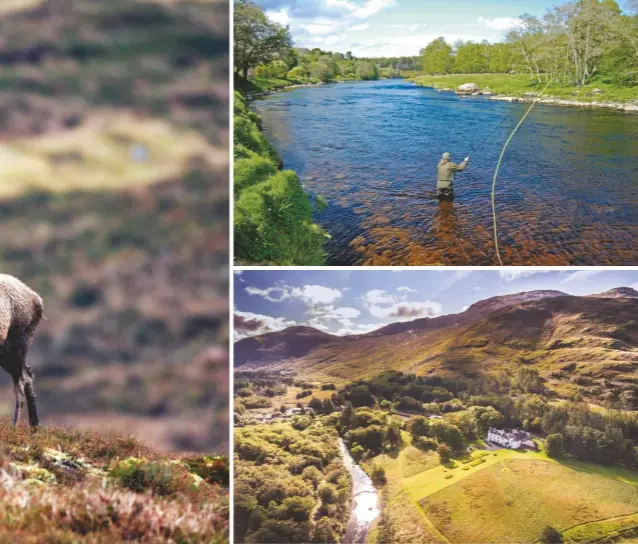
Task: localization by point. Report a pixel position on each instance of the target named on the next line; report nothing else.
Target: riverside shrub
(273, 214)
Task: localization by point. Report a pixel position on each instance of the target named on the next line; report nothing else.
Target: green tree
(378, 475)
(420, 426)
(437, 57)
(445, 454)
(551, 536)
(554, 445)
(257, 39)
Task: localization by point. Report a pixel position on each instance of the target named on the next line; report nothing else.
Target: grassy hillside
(580, 345)
(273, 214)
(114, 207)
(68, 486)
(514, 501)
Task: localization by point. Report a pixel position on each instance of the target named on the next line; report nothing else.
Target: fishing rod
(490, 134)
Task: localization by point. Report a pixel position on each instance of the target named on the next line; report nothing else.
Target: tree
(257, 39)
(437, 57)
(327, 493)
(445, 454)
(551, 536)
(393, 436)
(554, 445)
(420, 426)
(378, 475)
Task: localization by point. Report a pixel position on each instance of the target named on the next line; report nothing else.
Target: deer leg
(29, 391)
(17, 389)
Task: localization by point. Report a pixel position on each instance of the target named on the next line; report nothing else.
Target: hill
(586, 345)
(114, 207)
(69, 486)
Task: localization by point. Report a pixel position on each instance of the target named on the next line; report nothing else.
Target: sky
(359, 301)
(388, 28)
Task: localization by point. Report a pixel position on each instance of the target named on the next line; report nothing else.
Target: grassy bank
(257, 85)
(518, 84)
(273, 214)
(70, 486)
(267, 85)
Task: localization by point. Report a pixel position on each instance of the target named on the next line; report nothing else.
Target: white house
(511, 438)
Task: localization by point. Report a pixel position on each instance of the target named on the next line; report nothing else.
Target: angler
(446, 175)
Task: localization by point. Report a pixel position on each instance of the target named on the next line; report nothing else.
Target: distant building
(511, 438)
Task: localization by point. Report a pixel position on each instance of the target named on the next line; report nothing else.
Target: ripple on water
(567, 192)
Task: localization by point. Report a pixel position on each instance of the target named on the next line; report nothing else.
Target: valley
(413, 402)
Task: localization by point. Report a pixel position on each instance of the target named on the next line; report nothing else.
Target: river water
(567, 192)
(365, 508)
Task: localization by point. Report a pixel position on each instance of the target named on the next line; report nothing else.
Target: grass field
(401, 520)
(514, 500)
(502, 496)
(519, 84)
(625, 526)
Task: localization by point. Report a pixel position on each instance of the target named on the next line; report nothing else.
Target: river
(567, 192)
(365, 499)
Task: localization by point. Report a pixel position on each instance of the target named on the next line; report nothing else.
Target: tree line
(571, 44)
(265, 49)
(290, 485)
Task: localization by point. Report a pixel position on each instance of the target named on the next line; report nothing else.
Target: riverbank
(517, 88)
(273, 214)
(256, 87)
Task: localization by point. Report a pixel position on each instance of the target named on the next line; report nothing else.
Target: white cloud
(378, 296)
(407, 290)
(369, 8)
(320, 29)
(634, 286)
(349, 313)
(249, 324)
(580, 275)
(316, 296)
(273, 294)
(512, 275)
(464, 309)
(359, 28)
(500, 23)
(282, 16)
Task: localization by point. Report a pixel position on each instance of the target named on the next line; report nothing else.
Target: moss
(32, 472)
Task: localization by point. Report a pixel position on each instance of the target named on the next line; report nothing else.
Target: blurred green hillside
(114, 207)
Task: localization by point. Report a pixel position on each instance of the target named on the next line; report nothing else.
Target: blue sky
(396, 27)
(358, 301)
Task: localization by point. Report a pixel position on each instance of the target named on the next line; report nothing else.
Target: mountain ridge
(596, 334)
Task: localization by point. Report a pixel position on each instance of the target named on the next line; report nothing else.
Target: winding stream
(365, 499)
(567, 192)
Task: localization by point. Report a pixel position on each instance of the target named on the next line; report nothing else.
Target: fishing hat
(446, 155)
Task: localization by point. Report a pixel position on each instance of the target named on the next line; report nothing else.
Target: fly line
(500, 159)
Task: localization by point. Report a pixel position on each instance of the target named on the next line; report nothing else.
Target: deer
(21, 310)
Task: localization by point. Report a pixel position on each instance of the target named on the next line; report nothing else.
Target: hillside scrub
(61, 485)
(273, 214)
(290, 485)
